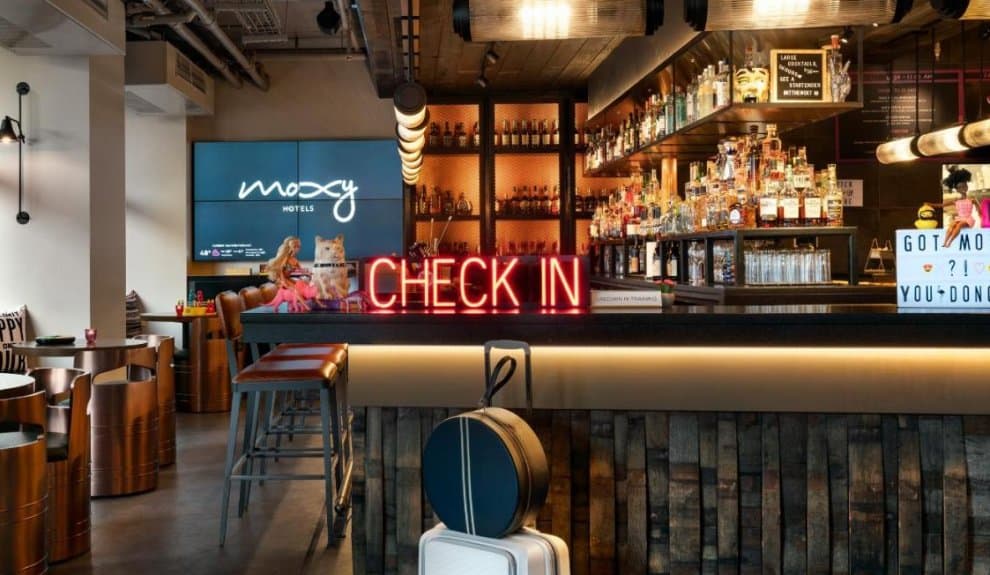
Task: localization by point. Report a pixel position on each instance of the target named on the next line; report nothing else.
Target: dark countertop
(780, 325)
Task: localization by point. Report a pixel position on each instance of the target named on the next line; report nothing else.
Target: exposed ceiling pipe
(193, 40)
(325, 55)
(207, 19)
(147, 21)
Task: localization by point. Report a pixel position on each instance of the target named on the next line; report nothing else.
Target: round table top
(68, 350)
(14, 384)
(172, 317)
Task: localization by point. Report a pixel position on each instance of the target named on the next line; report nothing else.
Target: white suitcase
(528, 552)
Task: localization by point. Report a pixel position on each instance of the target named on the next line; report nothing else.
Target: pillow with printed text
(11, 332)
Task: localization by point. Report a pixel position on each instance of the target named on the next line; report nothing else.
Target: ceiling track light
(482, 82)
(513, 20)
(491, 56)
(710, 15)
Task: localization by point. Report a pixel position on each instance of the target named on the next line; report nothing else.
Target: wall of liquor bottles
(724, 82)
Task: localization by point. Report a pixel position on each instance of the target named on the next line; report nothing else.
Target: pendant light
(902, 149)
(411, 119)
(946, 140)
(709, 15)
(512, 20)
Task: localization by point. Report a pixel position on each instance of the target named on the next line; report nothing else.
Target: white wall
(47, 261)
(157, 245)
(67, 264)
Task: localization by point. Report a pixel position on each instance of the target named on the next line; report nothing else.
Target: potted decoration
(666, 292)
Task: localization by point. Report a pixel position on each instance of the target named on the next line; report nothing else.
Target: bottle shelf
(442, 218)
(699, 139)
(450, 151)
(532, 218)
(527, 150)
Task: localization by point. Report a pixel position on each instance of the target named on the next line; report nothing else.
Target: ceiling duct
(160, 80)
(210, 22)
(709, 15)
(62, 27)
(511, 20)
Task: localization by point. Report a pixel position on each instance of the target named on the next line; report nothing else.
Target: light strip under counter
(951, 380)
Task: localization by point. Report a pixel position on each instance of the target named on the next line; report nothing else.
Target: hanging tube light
(512, 20)
(708, 15)
(962, 9)
(944, 141)
(900, 150)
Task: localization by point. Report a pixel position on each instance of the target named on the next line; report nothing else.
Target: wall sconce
(708, 15)
(9, 135)
(509, 20)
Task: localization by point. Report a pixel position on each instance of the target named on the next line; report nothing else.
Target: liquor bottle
(448, 136)
(771, 149)
(436, 202)
(524, 134)
(705, 93)
(514, 138)
(634, 257)
(460, 135)
(546, 137)
(722, 95)
(811, 203)
(524, 202)
(434, 138)
(499, 205)
(690, 103)
(586, 136)
(790, 201)
(535, 135)
(448, 203)
(421, 208)
(545, 202)
(680, 111)
(463, 206)
(578, 203)
(833, 199)
(769, 197)
(476, 136)
(511, 207)
(660, 125)
(555, 139)
(672, 263)
(737, 211)
(506, 134)
(555, 202)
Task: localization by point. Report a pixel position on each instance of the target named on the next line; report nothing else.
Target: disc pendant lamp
(411, 119)
(708, 15)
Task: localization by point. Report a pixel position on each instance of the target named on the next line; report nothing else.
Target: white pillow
(11, 332)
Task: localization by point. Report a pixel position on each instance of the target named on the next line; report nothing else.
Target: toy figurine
(290, 277)
(926, 218)
(958, 180)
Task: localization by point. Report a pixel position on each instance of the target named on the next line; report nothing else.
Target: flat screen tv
(248, 196)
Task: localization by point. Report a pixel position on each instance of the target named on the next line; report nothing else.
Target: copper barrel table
(202, 381)
(124, 415)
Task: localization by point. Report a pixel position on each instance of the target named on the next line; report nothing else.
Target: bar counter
(839, 359)
(789, 325)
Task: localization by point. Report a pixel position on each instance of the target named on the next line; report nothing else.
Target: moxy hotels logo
(558, 282)
(341, 190)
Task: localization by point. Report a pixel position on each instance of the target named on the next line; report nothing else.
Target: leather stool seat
(334, 353)
(287, 370)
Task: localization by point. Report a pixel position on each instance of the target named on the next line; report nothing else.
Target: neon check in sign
(557, 282)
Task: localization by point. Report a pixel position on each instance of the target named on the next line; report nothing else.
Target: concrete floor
(175, 529)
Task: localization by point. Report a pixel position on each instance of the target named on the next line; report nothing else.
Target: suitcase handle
(495, 382)
(510, 344)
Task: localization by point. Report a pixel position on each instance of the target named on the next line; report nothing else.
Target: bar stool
(125, 428)
(163, 347)
(252, 297)
(67, 392)
(268, 291)
(274, 375)
(23, 486)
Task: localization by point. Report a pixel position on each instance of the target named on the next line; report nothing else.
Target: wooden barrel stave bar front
(679, 492)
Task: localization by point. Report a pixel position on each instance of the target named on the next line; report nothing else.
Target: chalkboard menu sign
(797, 76)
